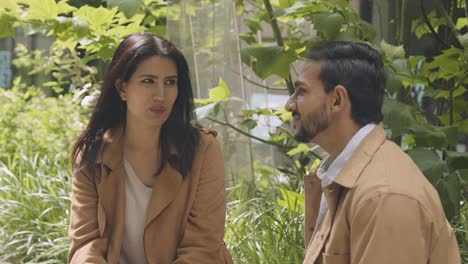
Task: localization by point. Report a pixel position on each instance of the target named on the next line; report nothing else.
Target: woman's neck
(142, 139)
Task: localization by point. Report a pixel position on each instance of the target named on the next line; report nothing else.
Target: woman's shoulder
(207, 136)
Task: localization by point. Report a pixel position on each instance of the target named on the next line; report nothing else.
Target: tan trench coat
(185, 222)
(381, 210)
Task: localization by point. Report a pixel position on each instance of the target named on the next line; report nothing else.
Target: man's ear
(121, 89)
(340, 97)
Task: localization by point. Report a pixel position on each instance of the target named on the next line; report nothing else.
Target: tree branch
(431, 28)
(280, 146)
(279, 39)
(247, 134)
(447, 18)
(265, 86)
(466, 8)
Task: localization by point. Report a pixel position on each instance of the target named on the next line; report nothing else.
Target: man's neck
(337, 137)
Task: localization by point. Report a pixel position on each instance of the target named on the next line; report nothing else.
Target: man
(367, 202)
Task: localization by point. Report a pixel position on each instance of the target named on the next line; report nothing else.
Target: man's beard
(312, 124)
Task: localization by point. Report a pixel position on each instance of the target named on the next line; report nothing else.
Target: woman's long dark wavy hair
(178, 131)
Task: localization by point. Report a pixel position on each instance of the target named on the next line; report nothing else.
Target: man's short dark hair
(359, 68)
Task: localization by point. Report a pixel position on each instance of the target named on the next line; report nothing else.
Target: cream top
(137, 197)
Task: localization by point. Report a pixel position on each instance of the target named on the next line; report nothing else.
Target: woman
(148, 186)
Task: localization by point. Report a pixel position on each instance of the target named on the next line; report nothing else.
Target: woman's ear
(121, 89)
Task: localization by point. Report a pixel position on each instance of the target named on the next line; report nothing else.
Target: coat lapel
(110, 186)
(165, 189)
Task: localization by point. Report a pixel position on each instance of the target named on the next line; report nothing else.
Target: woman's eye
(147, 81)
(170, 82)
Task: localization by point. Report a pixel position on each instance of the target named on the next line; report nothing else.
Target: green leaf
(248, 38)
(402, 118)
(283, 114)
(392, 52)
(449, 191)
(249, 123)
(463, 40)
(463, 126)
(457, 160)
(429, 163)
(293, 201)
(96, 17)
(129, 8)
(267, 60)
(398, 116)
(64, 8)
(429, 136)
(394, 82)
(446, 65)
(8, 5)
(254, 26)
(462, 22)
(43, 10)
(301, 9)
(122, 31)
(6, 26)
(206, 111)
(220, 92)
(451, 133)
(328, 24)
(301, 148)
(216, 94)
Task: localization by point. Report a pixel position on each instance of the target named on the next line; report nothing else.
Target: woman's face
(151, 92)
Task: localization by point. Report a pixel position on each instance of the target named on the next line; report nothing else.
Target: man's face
(309, 105)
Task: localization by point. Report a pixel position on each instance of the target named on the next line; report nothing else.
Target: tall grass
(265, 222)
(34, 209)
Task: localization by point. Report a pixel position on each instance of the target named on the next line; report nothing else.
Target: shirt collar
(329, 169)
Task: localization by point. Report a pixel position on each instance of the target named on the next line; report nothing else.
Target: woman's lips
(157, 109)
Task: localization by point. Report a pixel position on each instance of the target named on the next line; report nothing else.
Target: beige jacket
(185, 222)
(381, 210)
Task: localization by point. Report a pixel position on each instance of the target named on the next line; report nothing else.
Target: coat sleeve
(86, 242)
(202, 241)
(393, 228)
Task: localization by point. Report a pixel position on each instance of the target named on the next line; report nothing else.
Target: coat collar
(363, 154)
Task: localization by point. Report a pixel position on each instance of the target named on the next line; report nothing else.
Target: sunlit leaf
(301, 148)
(392, 52)
(215, 94)
(462, 22)
(267, 60)
(6, 26)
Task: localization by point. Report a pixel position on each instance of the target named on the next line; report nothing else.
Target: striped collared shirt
(329, 169)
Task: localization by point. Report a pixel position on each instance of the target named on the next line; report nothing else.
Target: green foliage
(34, 124)
(93, 31)
(265, 220)
(35, 140)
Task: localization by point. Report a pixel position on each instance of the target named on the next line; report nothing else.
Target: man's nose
(290, 104)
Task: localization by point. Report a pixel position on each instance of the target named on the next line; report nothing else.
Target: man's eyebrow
(298, 83)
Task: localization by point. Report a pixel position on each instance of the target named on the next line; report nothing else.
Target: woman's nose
(158, 93)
